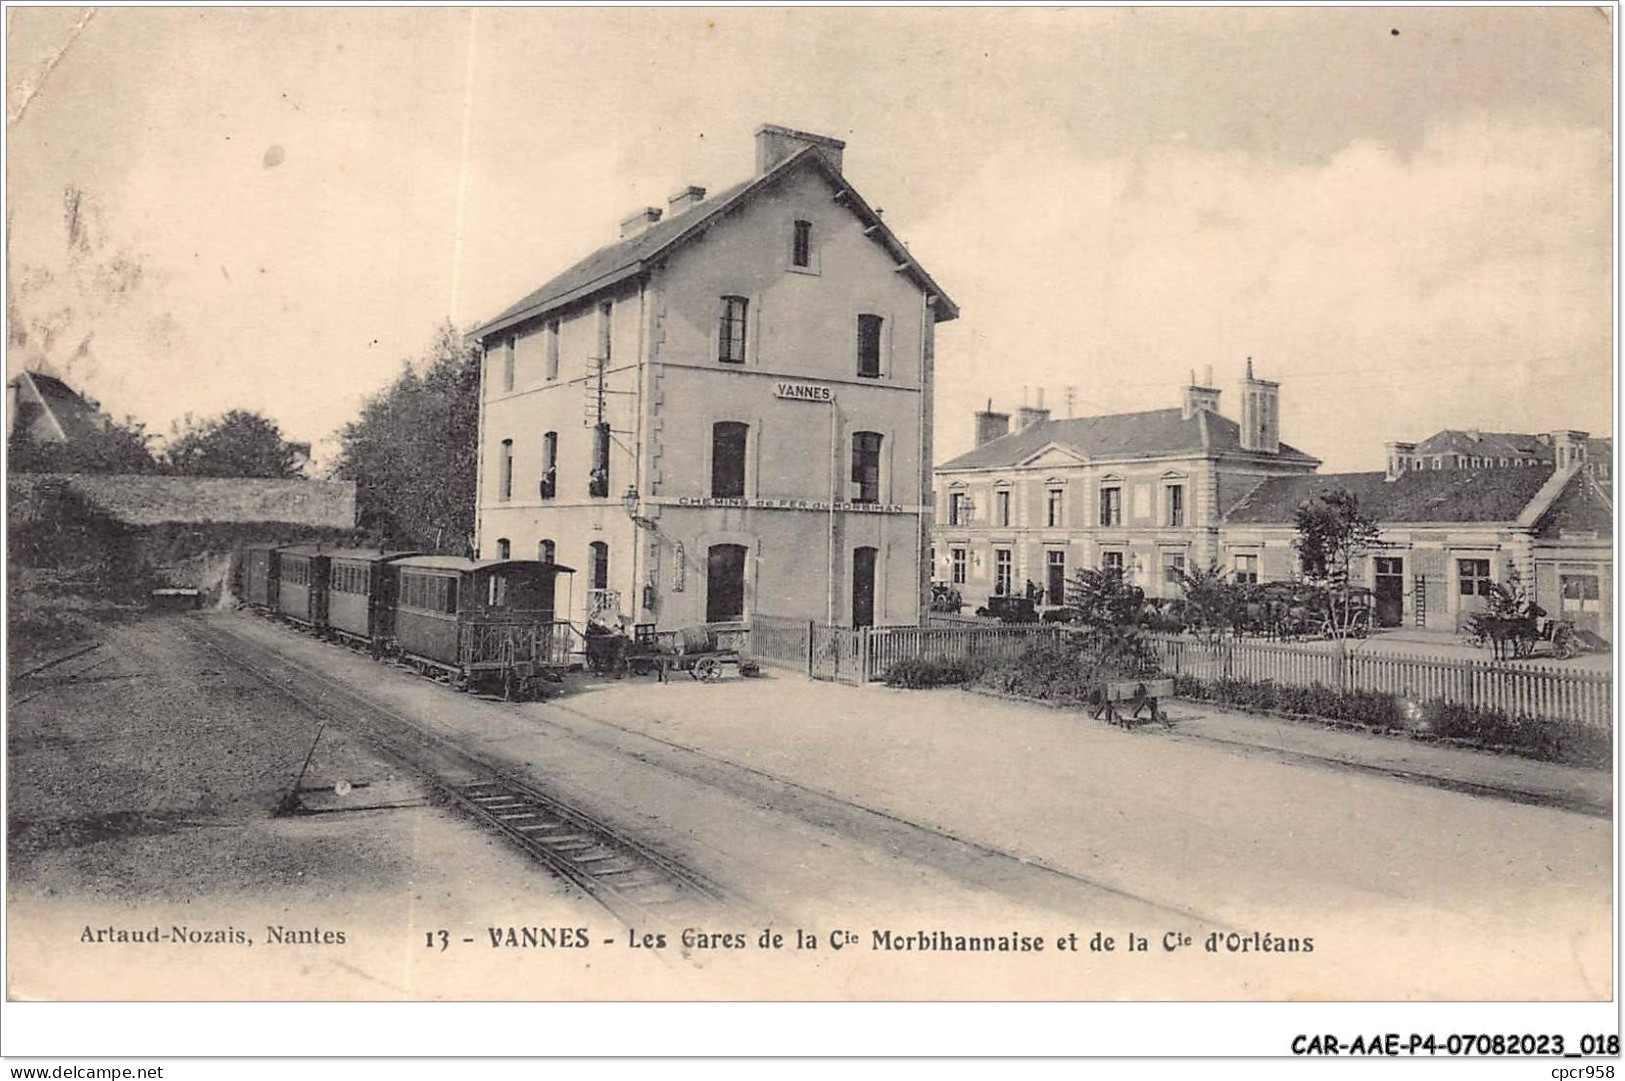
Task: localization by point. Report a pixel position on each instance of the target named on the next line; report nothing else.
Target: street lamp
(630, 500)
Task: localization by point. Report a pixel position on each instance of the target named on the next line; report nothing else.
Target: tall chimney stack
(991, 425)
(775, 143)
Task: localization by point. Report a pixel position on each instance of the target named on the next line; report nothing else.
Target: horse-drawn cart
(700, 651)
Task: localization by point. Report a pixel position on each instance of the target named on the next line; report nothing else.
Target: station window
(552, 350)
(507, 363)
(606, 318)
(598, 480)
(801, 245)
(1001, 507)
(956, 557)
(504, 548)
(731, 330)
(866, 466)
(1002, 570)
(545, 551)
(550, 465)
(1474, 577)
(728, 442)
(598, 565)
(869, 346)
(958, 508)
(1055, 515)
(1245, 569)
(1111, 505)
(1176, 504)
(505, 471)
(1111, 561)
(1173, 567)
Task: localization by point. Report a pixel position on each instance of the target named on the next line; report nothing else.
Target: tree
(115, 448)
(238, 444)
(1213, 604)
(413, 452)
(1333, 532)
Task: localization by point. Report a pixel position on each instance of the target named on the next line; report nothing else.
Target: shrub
(917, 672)
(1068, 669)
(1553, 740)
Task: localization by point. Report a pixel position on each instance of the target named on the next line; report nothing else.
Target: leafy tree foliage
(1333, 532)
(116, 448)
(238, 444)
(413, 451)
(1213, 605)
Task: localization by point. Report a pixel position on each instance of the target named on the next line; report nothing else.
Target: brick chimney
(1203, 395)
(1260, 413)
(1028, 415)
(991, 425)
(775, 143)
(640, 221)
(1400, 456)
(684, 199)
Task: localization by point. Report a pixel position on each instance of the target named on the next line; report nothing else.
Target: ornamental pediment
(1053, 454)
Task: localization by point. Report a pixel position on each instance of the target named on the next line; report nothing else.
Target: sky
(1402, 215)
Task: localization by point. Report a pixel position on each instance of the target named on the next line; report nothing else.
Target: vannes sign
(789, 504)
(804, 392)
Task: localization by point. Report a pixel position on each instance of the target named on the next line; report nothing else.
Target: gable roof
(628, 258)
(1427, 495)
(75, 418)
(1155, 433)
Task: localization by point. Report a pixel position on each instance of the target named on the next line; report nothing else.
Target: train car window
(450, 606)
(496, 591)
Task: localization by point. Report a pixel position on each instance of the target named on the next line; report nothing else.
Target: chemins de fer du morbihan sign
(804, 392)
(788, 504)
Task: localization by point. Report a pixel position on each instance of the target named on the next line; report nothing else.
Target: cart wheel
(706, 669)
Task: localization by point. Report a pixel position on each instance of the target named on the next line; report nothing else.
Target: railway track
(627, 877)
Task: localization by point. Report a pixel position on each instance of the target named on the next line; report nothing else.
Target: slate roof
(1487, 445)
(1151, 434)
(1428, 495)
(77, 417)
(627, 258)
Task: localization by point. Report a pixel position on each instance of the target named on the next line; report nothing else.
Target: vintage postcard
(684, 504)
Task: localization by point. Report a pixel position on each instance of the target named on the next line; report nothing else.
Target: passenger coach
(486, 624)
(363, 585)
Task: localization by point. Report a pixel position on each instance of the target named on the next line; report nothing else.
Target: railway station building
(1144, 492)
(725, 413)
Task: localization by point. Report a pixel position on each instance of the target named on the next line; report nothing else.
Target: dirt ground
(143, 781)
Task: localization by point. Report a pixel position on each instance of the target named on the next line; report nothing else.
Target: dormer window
(801, 245)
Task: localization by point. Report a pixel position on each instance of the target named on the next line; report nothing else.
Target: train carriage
(259, 575)
(486, 624)
(361, 595)
(302, 580)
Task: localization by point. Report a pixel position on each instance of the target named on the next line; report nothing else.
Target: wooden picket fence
(862, 655)
(1531, 689)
